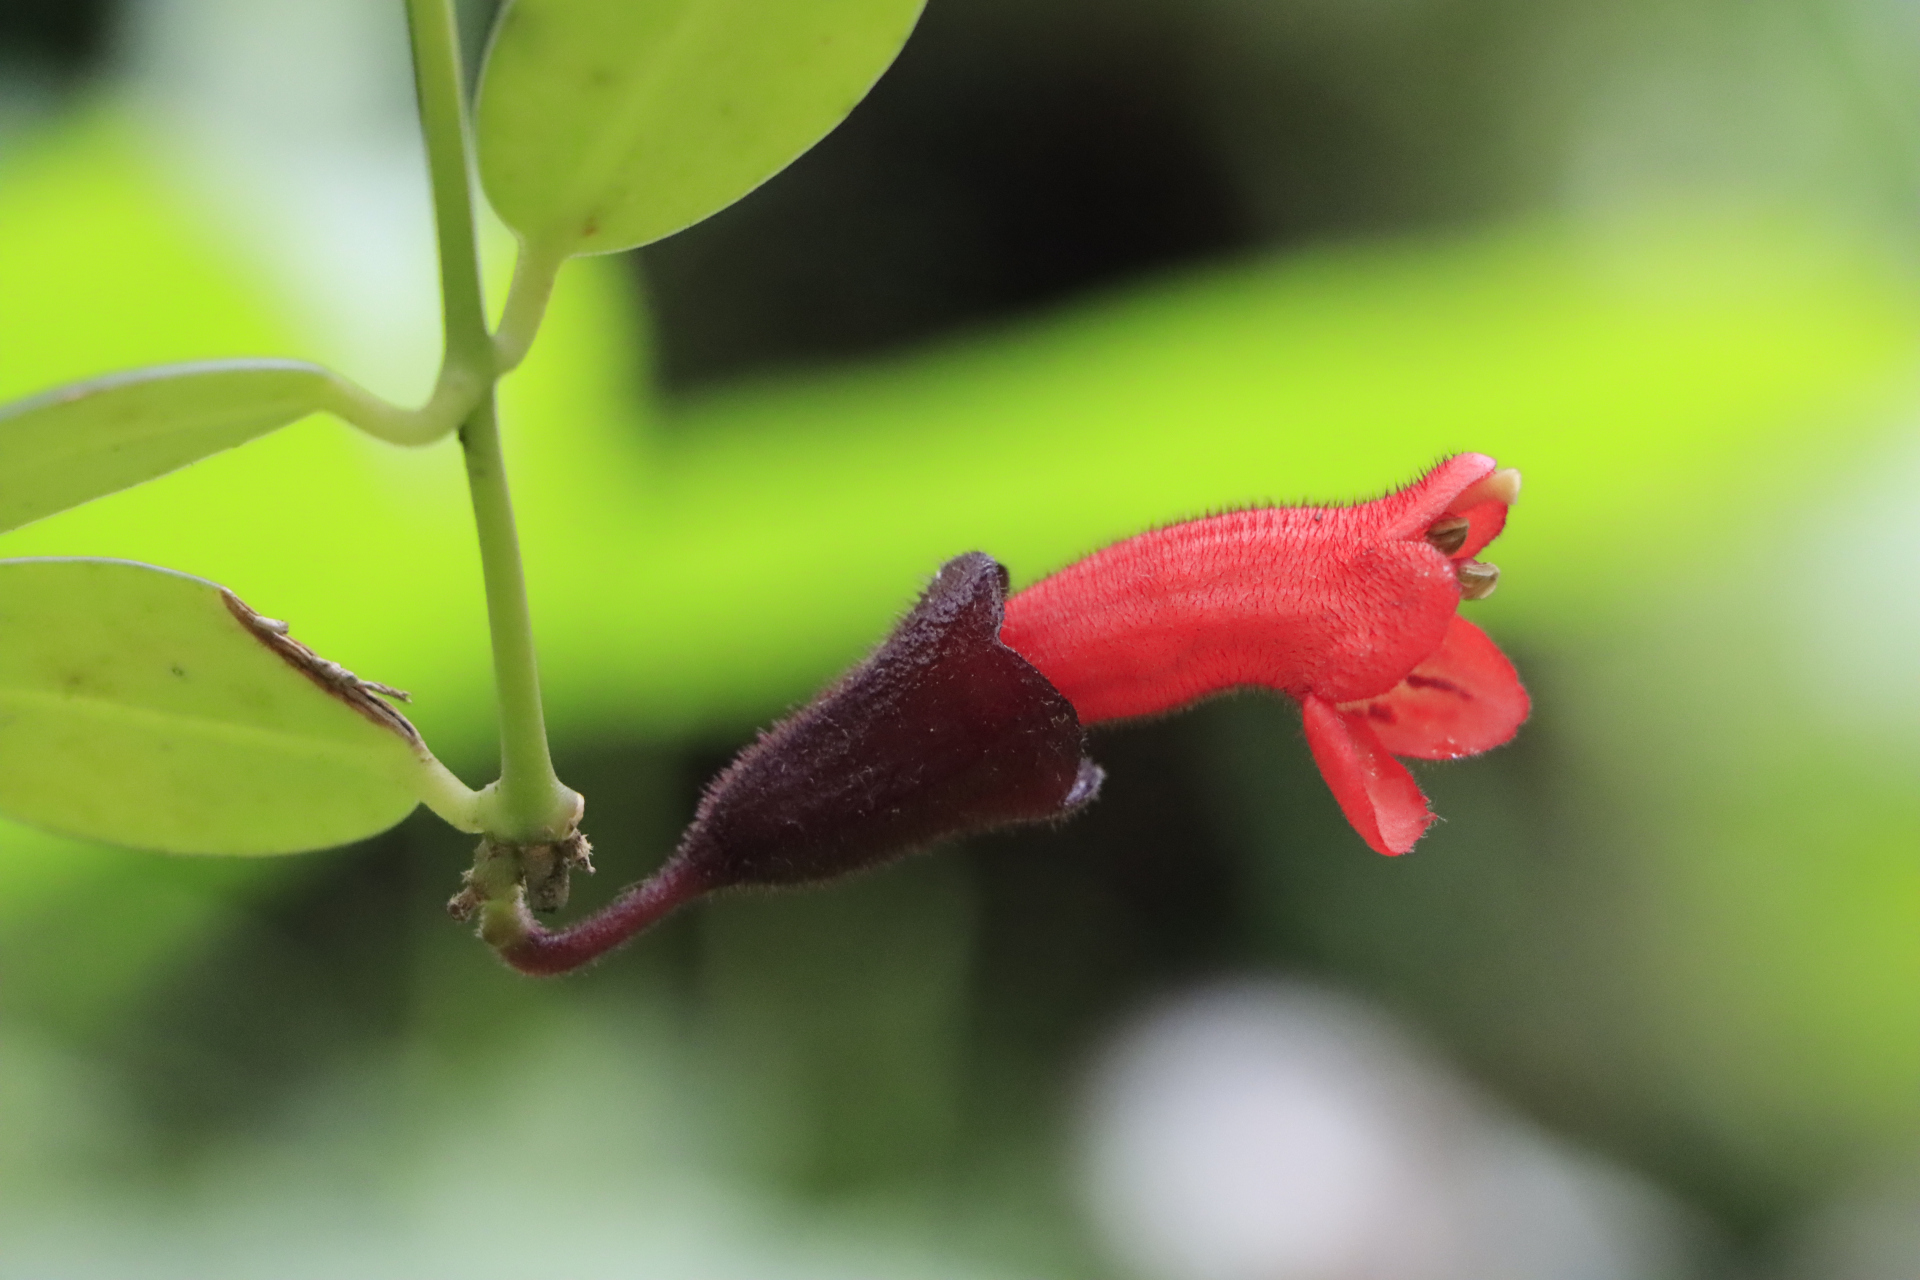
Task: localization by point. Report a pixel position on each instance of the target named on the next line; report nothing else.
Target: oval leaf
(153, 709)
(76, 443)
(605, 124)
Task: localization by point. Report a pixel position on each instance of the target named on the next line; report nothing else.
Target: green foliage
(605, 124)
(76, 443)
(1675, 390)
(1711, 933)
(608, 124)
(141, 707)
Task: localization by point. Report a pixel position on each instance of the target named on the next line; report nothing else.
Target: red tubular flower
(1350, 611)
(970, 715)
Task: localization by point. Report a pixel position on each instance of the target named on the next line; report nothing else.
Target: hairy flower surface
(1350, 611)
(942, 731)
(970, 715)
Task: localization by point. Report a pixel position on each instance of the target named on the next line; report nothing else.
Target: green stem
(454, 396)
(442, 97)
(533, 275)
(529, 803)
(462, 808)
(532, 803)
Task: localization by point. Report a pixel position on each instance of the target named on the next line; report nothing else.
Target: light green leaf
(76, 443)
(605, 124)
(153, 709)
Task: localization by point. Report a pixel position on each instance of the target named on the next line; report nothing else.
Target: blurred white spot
(1269, 1132)
(1256, 1133)
(295, 123)
(1854, 571)
(1533, 1208)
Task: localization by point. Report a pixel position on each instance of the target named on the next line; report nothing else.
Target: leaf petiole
(454, 395)
(533, 276)
(457, 804)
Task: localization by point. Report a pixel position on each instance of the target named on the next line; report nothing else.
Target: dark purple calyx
(942, 731)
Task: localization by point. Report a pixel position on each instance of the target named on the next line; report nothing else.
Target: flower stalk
(951, 727)
(942, 731)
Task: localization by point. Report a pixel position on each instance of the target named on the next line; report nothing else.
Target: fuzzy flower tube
(1350, 611)
(971, 715)
(942, 731)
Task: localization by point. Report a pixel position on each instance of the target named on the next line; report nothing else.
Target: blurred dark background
(915, 1039)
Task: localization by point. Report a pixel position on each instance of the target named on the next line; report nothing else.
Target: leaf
(76, 443)
(605, 124)
(153, 709)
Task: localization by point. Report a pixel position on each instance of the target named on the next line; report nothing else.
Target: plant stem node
(538, 875)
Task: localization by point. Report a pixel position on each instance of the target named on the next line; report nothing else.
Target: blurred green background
(1074, 268)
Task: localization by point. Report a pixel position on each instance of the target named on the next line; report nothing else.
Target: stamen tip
(1477, 579)
(1449, 533)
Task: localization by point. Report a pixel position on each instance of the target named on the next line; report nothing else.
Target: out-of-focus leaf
(72, 444)
(1673, 389)
(153, 709)
(605, 124)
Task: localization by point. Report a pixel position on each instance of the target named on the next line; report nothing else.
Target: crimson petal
(1408, 512)
(1375, 791)
(1484, 520)
(1463, 699)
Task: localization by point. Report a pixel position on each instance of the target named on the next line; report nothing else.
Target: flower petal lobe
(1463, 699)
(1375, 791)
(1484, 520)
(1406, 513)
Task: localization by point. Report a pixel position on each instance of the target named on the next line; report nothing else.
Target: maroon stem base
(542, 952)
